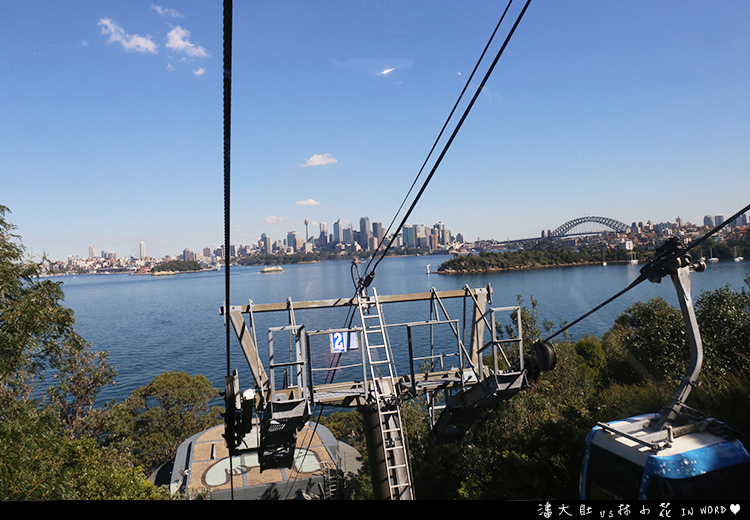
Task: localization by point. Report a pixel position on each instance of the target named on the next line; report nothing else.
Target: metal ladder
(383, 377)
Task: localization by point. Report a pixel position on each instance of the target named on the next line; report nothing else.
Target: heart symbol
(734, 508)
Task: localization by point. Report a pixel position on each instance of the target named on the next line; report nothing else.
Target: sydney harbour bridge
(589, 225)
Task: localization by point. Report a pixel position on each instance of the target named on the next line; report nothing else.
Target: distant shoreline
(521, 267)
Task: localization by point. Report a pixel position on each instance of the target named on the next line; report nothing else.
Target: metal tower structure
(461, 367)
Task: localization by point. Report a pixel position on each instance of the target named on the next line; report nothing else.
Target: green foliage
(544, 254)
(37, 463)
(81, 374)
(724, 319)
(177, 266)
(47, 448)
(35, 329)
(349, 428)
(156, 418)
(531, 446)
(591, 351)
(647, 340)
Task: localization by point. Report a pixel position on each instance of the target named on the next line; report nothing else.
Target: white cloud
(166, 11)
(319, 160)
(178, 40)
(274, 220)
(199, 71)
(308, 202)
(129, 42)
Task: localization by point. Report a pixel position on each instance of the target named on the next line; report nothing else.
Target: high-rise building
(378, 232)
(92, 252)
(347, 236)
(410, 240)
(265, 244)
(718, 220)
(291, 239)
(323, 237)
(420, 234)
(143, 250)
(337, 235)
(364, 232)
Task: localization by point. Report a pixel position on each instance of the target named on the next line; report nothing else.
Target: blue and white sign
(343, 341)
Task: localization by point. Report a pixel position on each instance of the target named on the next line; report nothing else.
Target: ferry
(272, 269)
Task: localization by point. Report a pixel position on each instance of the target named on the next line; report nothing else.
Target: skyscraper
(347, 237)
(265, 244)
(378, 232)
(323, 237)
(337, 237)
(410, 239)
(364, 232)
(291, 239)
(143, 250)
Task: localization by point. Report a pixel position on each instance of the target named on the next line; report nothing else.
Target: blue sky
(111, 120)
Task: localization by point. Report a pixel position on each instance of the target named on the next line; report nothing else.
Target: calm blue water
(151, 325)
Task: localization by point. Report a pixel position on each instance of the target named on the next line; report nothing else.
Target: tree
(37, 463)
(723, 316)
(35, 329)
(81, 374)
(45, 450)
(647, 341)
(156, 418)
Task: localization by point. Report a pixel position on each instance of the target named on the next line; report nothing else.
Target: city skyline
(266, 242)
(112, 132)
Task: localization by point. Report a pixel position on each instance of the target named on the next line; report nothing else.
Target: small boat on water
(737, 258)
(711, 256)
(272, 269)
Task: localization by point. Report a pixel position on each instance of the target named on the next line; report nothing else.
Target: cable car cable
(655, 267)
(445, 125)
(227, 106)
(364, 282)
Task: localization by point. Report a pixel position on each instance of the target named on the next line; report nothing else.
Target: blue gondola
(674, 454)
(627, 459)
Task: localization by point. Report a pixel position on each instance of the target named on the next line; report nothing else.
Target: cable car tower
(459, 380)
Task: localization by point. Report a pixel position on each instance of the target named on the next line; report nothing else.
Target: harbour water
(152, 325)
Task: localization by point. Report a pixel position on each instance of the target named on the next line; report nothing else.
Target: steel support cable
(368, 278)
(227, 106)
(442, 130)
(363, 282)
(651, 266)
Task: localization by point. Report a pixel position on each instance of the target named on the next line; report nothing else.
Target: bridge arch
(611, 223)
